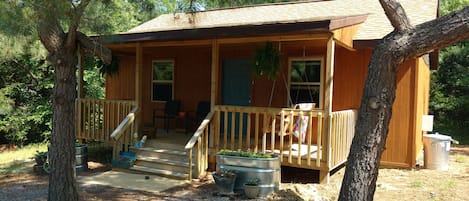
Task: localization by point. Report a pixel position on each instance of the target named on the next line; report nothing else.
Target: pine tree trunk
(62, 184)
(372, 127)
(62, 54)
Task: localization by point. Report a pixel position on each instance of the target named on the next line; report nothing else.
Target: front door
(236, 89)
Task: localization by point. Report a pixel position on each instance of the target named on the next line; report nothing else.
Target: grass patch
(461, 158)
(19, 160)
(22, 154)
(451, 184)
(16, 167)
(417, 184)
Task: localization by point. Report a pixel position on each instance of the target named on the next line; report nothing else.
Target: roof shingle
(376, 25)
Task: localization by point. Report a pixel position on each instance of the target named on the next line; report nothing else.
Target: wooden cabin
(208, 56)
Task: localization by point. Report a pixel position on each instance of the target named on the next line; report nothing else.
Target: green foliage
(267, 61)
(25, 109)
(447, 6)
(248, 154)
(232, 3)
(450, 92)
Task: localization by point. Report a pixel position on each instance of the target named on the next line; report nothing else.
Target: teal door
(236, 89)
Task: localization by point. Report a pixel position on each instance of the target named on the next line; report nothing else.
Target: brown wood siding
(191, 82)
(422, 103)
(350, 72)
(121, 85)
(400, 142)
(349, 78)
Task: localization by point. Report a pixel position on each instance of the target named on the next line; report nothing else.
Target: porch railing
(272, 130)
(200, 139)
(341, 135)
(96, 118)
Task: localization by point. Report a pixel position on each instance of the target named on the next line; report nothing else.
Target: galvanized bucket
(436, 151)
(81, 158)
(265, 169)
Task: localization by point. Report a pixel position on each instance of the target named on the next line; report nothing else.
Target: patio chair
(203, 108)
(297, 122)
(171, 111)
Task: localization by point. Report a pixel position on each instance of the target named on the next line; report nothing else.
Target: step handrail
(200, 134)
(125, 124)
(190, 144)
(128, 120)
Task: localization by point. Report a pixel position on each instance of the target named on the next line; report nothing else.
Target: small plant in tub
(224, 180)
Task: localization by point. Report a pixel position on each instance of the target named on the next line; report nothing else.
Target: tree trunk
(372, 126)
(62, 184)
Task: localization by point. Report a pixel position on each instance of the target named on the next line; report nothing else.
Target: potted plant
(40, 157)
(224, 180)
(251, 187)
(42, 164)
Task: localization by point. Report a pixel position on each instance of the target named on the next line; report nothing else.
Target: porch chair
(171, 111)
(296, 123)
(203, 108)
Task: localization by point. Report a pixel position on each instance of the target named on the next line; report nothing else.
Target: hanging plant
(267, 61)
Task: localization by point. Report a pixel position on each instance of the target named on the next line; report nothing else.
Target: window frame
(319, 105)
(153, 81)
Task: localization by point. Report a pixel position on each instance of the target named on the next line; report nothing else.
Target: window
(162, 80)
(305, 81)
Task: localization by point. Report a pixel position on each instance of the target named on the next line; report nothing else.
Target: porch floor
(179, 140)
(175, 137)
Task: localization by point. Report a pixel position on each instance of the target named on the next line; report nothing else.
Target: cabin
(189, 82)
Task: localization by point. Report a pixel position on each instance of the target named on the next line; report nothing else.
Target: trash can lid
(438, 136)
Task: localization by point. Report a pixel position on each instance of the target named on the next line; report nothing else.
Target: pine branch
(91, 47)
(76, 14)
(396, 15)
(436, 34)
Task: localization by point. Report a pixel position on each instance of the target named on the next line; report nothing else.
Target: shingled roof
(375, 26)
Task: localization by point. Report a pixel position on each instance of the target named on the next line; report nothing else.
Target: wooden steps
(167, 160)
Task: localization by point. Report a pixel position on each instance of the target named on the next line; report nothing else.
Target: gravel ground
(414, 184)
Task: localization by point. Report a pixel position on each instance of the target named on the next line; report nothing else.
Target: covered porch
(323, 147)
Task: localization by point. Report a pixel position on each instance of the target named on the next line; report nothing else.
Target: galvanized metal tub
(81, 158)
(265, 169)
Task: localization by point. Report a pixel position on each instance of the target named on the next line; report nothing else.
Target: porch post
(214, 87)
(214, 75)
(138, 86)
(329, 81)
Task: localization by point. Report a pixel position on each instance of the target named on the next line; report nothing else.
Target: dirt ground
(393, 184)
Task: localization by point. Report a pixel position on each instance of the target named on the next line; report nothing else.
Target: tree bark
(372, 126)
(62, 148)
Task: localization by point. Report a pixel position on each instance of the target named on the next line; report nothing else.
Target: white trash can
(436, 151)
